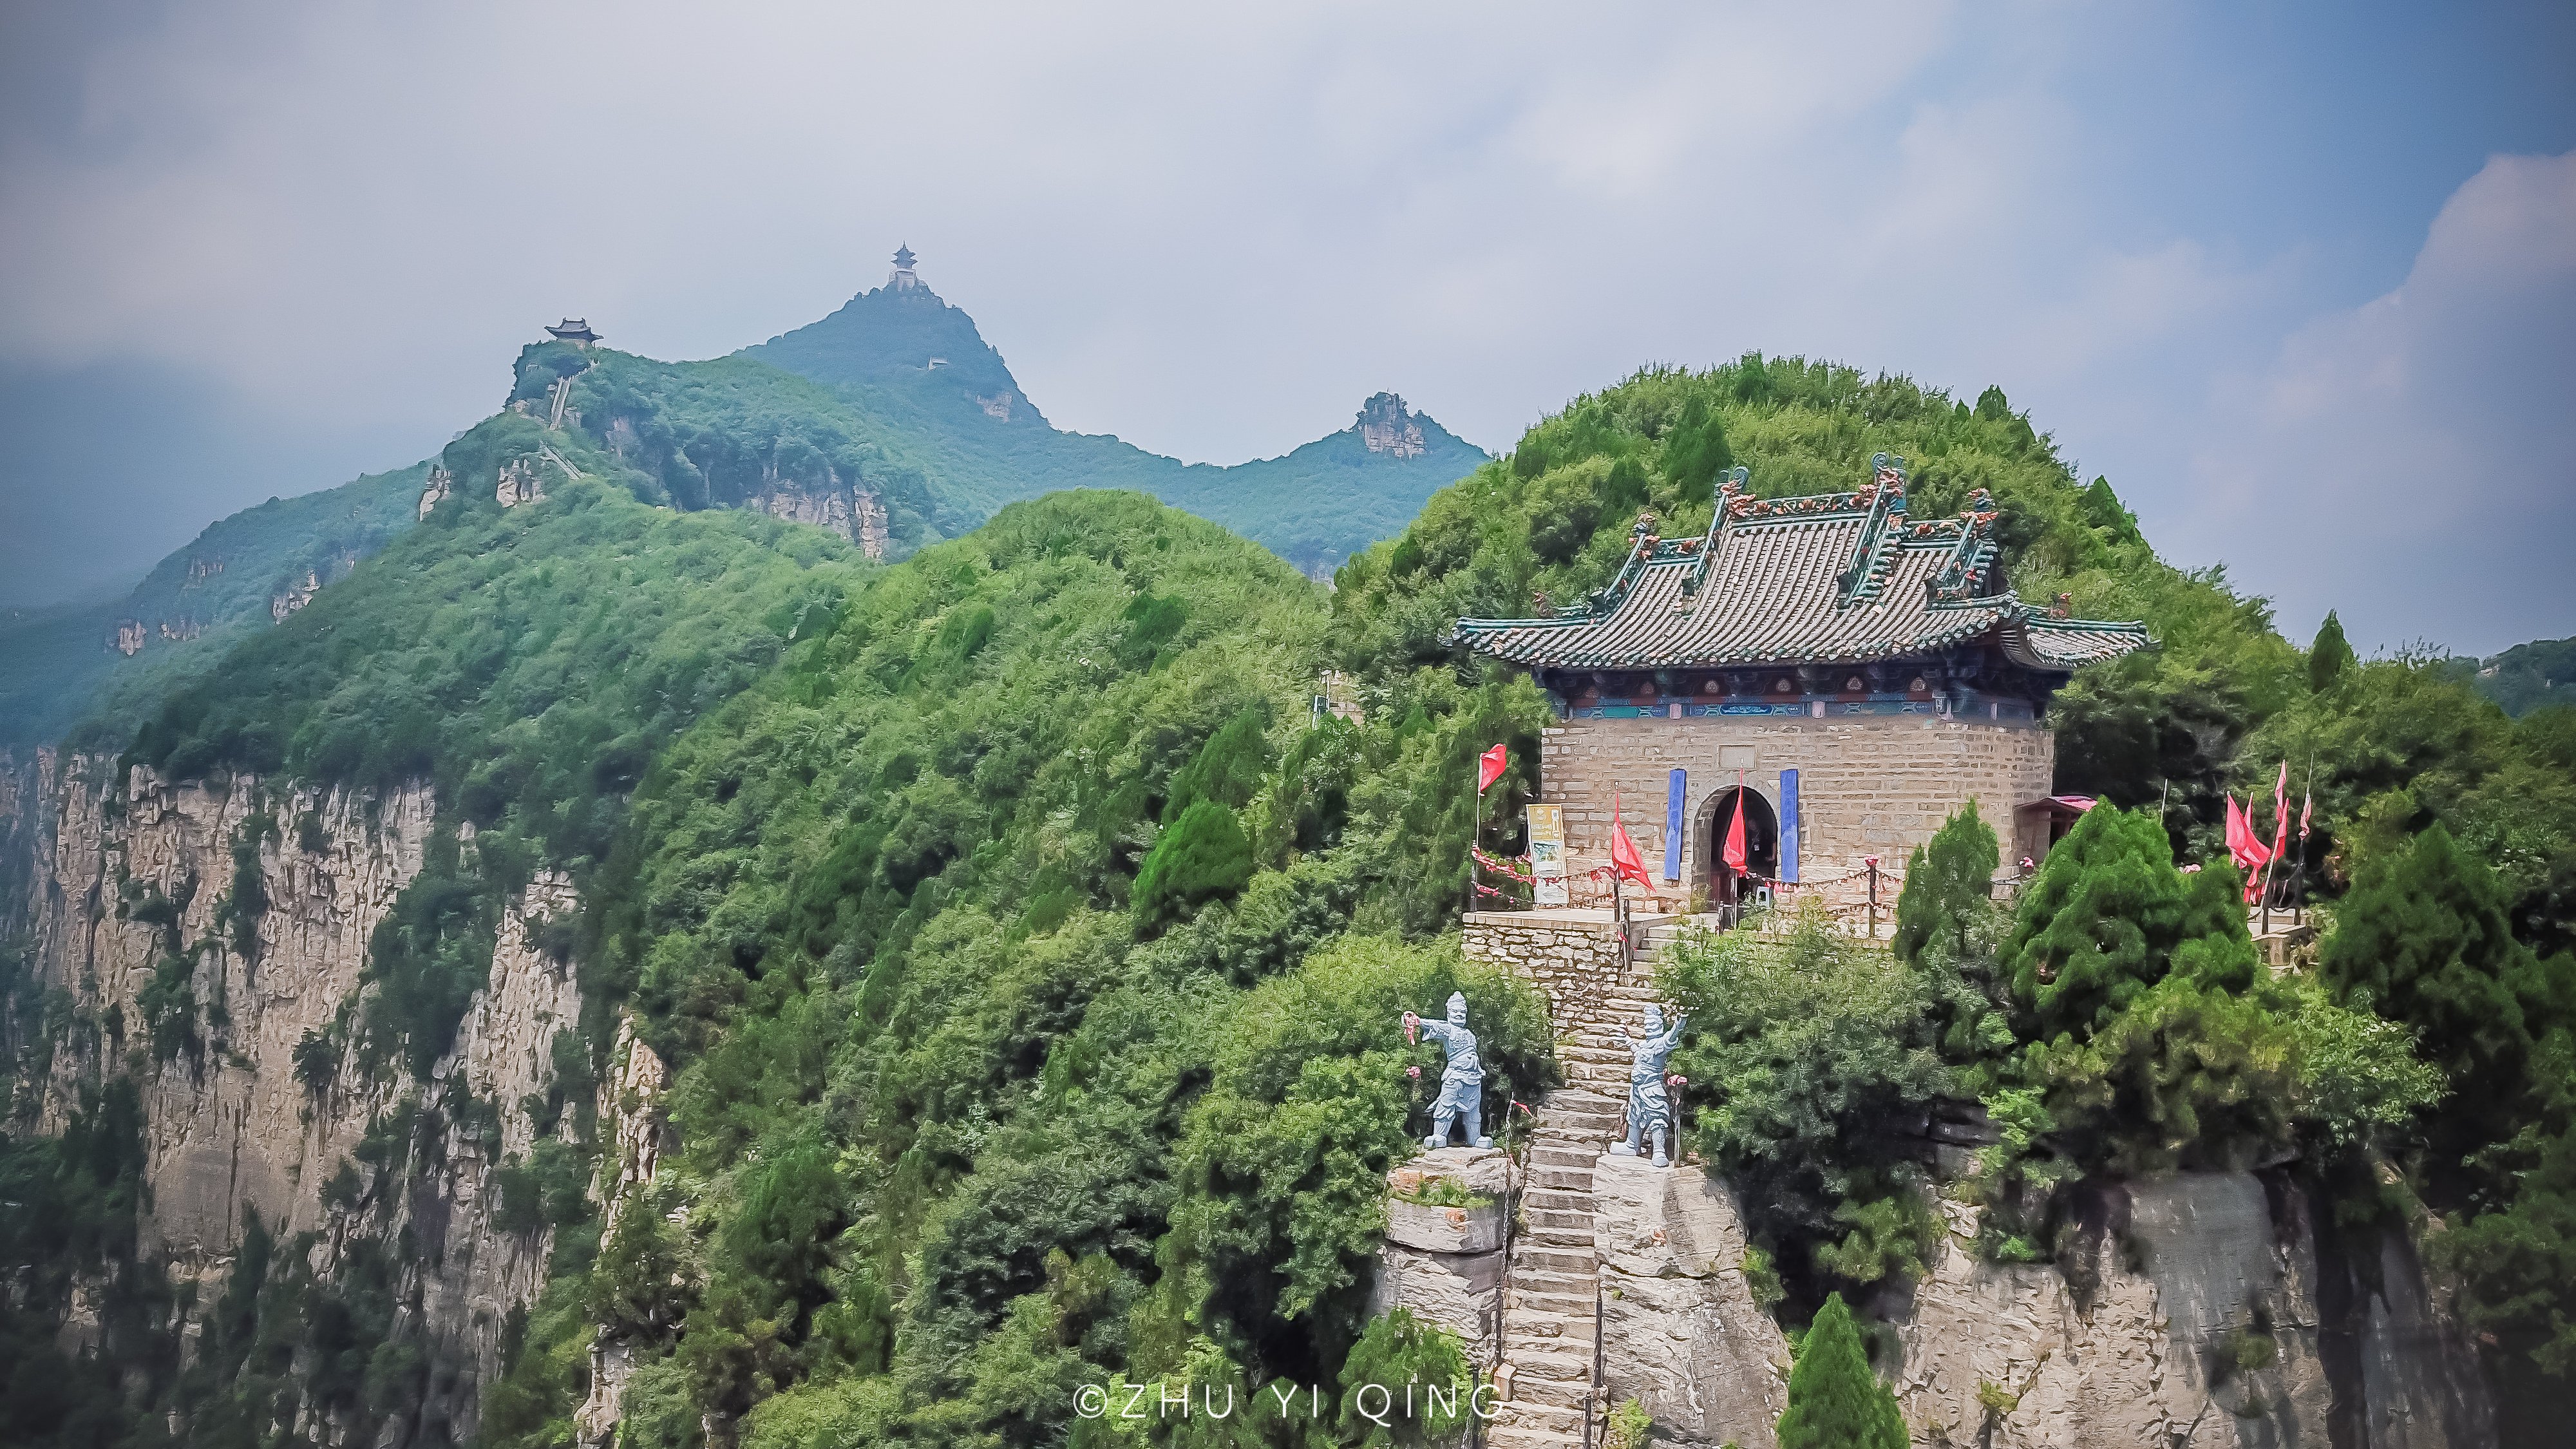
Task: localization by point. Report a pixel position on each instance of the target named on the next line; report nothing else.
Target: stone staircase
(1550, 1281)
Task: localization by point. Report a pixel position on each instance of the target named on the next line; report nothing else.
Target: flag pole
(1476, 835)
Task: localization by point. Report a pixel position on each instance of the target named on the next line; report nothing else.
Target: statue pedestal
(1443, 1256)
(1680, 1333)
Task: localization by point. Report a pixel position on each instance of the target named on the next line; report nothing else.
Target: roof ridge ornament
(1874, 552)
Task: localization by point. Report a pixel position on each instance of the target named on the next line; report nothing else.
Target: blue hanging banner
(1789, 826)
(1673, 827)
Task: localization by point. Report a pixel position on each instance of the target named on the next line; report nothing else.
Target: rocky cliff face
(122, 883)
(2209, 1310)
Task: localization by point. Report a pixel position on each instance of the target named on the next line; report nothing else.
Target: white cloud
(2404, 462)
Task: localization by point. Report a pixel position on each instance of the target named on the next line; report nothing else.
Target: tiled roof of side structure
(1829, 577)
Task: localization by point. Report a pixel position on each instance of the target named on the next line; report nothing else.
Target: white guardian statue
(1462, 1086)
(1650, 1107)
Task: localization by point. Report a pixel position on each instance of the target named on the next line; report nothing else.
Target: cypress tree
(1199, 857)
(2110, 916)
(2329, 656)
(1835, 1402)
(1947, 883)
(2426, 938)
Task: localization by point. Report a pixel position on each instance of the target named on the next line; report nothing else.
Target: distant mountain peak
(1386, 426)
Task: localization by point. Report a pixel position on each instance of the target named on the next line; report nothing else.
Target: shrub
(1800, 1052)
(1202, 856)
(1835, 1402)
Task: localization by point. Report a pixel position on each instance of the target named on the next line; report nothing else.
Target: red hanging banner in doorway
(1735, 856)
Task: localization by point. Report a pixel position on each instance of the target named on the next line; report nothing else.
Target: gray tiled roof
(1828, 578)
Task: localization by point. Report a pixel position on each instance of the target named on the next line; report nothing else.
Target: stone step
(1517, 1417)
(1500, 1435)
(1557, 1258)
(1555, 1368)
(1549, 1333)
(1562, 1240)
(1563, 1154)
(1557, 1220)
(1569, 1179)
(1532, 1281)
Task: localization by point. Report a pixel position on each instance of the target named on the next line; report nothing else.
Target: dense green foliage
(1835, 1401)
(1800, 1054)
(2115, 1022)
(888, 916)
(69, 1215)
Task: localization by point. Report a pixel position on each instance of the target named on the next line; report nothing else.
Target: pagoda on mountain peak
(903, 279)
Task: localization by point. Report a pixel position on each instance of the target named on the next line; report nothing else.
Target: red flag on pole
(2243, 845)
(2307, 803)
(1489, 768)
(1735, 856)
(1625, 862)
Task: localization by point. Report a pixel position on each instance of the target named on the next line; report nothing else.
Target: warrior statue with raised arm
(1650, 1107)
(1462, 1086)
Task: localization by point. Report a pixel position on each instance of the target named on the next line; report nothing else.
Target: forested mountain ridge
(907, 355)
(846, 424)
(239, 575)
(2527, 676)
(1023, 952)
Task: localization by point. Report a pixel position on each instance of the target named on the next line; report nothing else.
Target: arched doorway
(1729, 888)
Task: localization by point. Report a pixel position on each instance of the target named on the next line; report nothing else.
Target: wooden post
(1873, 896)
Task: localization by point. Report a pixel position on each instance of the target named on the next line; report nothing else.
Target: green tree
(1199, 857)
(1695, 450)
(1835, 1401)
(2329, 656)
(2425, 939)
(1948, 884)
(1799, 1054)
(2109, 916)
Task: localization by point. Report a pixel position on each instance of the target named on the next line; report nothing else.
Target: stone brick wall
(1571, 955)
(1868, 785)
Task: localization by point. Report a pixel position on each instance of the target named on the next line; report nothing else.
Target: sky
(2300, 279)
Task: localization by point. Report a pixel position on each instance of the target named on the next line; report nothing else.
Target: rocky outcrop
(1387, 427)
(435, 492)
(1680, 1331)
(1443, 1257)
(2188, 1313)
(294, 596)
(519, 481)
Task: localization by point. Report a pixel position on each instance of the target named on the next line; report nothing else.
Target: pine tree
(1947, 884)
(2329, 656)
(1197, 858)
(2426, 938)
(2110, 916)
(1835, 1401)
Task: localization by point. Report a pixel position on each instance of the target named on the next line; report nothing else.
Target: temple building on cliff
(1851, 674)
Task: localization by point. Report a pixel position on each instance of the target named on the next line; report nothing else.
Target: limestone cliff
(110, 875)
(2205, 1310)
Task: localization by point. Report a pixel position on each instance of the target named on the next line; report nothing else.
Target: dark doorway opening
(1728, 888)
